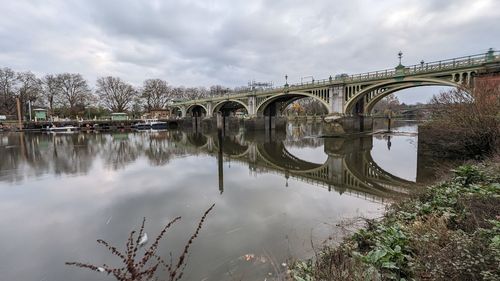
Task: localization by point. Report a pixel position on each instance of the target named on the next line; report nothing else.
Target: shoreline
(448, 230)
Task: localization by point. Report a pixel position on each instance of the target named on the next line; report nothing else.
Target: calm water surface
(273, 194)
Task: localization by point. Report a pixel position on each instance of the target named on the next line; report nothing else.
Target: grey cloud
(230, 42)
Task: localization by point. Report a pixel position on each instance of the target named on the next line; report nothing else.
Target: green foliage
(492, 239)
(467, 174)
(451, 231)
(390, 253)
(303, 271)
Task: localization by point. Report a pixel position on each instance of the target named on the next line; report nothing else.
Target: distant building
(156, 114)
(119, 116)
(40, 114)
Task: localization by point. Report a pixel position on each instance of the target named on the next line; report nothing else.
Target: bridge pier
(347, 125)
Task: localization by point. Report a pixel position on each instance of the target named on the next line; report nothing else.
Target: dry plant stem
(145, 267)
(182, 257)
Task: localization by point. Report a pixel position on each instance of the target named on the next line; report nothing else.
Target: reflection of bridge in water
(349, 167)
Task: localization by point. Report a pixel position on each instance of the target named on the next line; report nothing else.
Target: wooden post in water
(19, 118)
(389, 115)
(220, 155)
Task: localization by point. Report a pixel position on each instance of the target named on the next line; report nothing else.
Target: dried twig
(145, 268)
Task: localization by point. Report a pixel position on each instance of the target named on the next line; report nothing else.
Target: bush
(449, 231)
(466, 122)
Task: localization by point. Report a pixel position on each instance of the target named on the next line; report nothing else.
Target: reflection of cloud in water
(312, 154)
(401, 159)
(57, 226)
(58, 210)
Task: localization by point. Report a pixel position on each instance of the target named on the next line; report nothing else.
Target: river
(274, 195)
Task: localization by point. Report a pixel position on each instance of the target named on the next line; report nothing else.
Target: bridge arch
(278, 156)
(287, 99)
(217, 107)
(369, 105)
(196, 110)
(197, 140)
(178, 111)
(374, 93)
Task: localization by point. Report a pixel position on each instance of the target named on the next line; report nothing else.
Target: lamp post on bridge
(400, 69)
(286, 84)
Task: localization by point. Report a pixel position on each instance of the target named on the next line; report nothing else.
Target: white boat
(151, 124)
(67, 128)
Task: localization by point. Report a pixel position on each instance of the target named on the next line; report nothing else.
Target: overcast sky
(201, 43)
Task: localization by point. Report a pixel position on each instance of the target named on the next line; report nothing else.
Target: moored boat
(67, 128)
(151, 124)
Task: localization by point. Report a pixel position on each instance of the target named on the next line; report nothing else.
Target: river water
(274, 195)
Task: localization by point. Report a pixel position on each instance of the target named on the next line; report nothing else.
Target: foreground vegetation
(140, 263)
(450, 230)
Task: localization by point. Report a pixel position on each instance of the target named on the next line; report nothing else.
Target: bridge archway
(196, 110)
(197, 139)
(272, 105)
(230, 105)
(177, 111)
(276, 154)
(366, 98)
(369, 105)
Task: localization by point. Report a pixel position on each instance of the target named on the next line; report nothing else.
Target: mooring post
(389, 122)
(220, 155)
(19, 118)
(221, 122)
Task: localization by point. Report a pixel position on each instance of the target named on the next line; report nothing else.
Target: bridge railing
(459, 62)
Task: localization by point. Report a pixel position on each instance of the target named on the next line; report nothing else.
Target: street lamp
(286, 80)
(400, 55)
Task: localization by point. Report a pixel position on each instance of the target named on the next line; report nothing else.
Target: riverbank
(450, 230)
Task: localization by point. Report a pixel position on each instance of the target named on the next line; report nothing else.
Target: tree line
(71, 95)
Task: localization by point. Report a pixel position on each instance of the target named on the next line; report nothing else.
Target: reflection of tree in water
(72, 153)
(61, 154)
(11, 158)
(35, 154)
(304, 142)
(160, 149)
(296, 131)
(120, 150)
(233, 145)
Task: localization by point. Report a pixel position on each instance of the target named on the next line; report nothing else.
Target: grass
(449, 231)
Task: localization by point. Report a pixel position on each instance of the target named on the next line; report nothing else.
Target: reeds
(147, 266)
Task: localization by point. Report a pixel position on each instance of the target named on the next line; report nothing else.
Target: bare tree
(218, 90)
(29, 90)
(465, 121)
(50, 91)
(178, 93)
(115, 94)
(156, 94)
(195, 93)
(8, 85)
(74, 91)
(388, 104)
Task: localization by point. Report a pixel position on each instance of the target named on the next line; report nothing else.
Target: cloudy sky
(229, 42)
